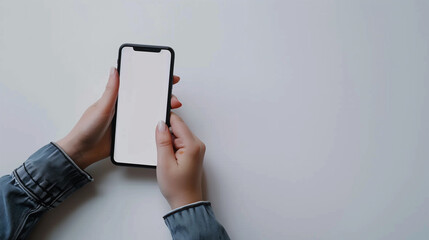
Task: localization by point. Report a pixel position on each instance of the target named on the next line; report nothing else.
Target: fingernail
(161, 126)
(112, 71)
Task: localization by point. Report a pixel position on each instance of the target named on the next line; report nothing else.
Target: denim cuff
(195, 204)
(49, 176)
(195, 221)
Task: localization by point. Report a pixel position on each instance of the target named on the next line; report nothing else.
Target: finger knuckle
(194, 148)
(203, 147)
(164, 142)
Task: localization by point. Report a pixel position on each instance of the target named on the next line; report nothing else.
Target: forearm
(195, 221)
(42, 182)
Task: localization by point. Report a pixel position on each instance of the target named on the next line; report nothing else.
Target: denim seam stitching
(22, 224)
(25, 189)
(37, 183)
(59, 196)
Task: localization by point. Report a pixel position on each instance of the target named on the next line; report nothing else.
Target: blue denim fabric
(49, 176)
(39, 184)
(195, 221)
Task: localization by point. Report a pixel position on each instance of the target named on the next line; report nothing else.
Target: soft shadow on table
(100, 170)
(57, 216)
(140, 173)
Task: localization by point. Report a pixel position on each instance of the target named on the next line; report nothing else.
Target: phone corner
(171, 50)
(112, 159)
(124, 45)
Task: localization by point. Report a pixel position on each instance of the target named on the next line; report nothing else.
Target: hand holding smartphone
(146, 78)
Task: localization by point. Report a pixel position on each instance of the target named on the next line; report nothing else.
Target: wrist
(73, 151)
(181, 201)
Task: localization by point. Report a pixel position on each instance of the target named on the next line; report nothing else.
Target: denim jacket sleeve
(49, 176)
(42, 182)
(195, 221)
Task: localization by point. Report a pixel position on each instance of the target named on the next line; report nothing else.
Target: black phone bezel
(145, 48)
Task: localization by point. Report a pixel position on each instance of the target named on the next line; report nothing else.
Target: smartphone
(146, 79)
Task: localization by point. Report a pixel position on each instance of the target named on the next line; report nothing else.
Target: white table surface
(314, 113)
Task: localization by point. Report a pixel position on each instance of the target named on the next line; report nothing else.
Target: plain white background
(314, 113)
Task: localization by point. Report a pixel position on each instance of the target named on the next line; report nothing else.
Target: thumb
(110, 94)
(164, 145)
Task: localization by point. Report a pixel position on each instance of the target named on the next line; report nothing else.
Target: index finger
(176, 79)
(179, 128)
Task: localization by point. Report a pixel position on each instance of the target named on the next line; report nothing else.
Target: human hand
(180, 163)
(90, 139)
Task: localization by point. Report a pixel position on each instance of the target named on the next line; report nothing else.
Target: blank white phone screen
(142, 103)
